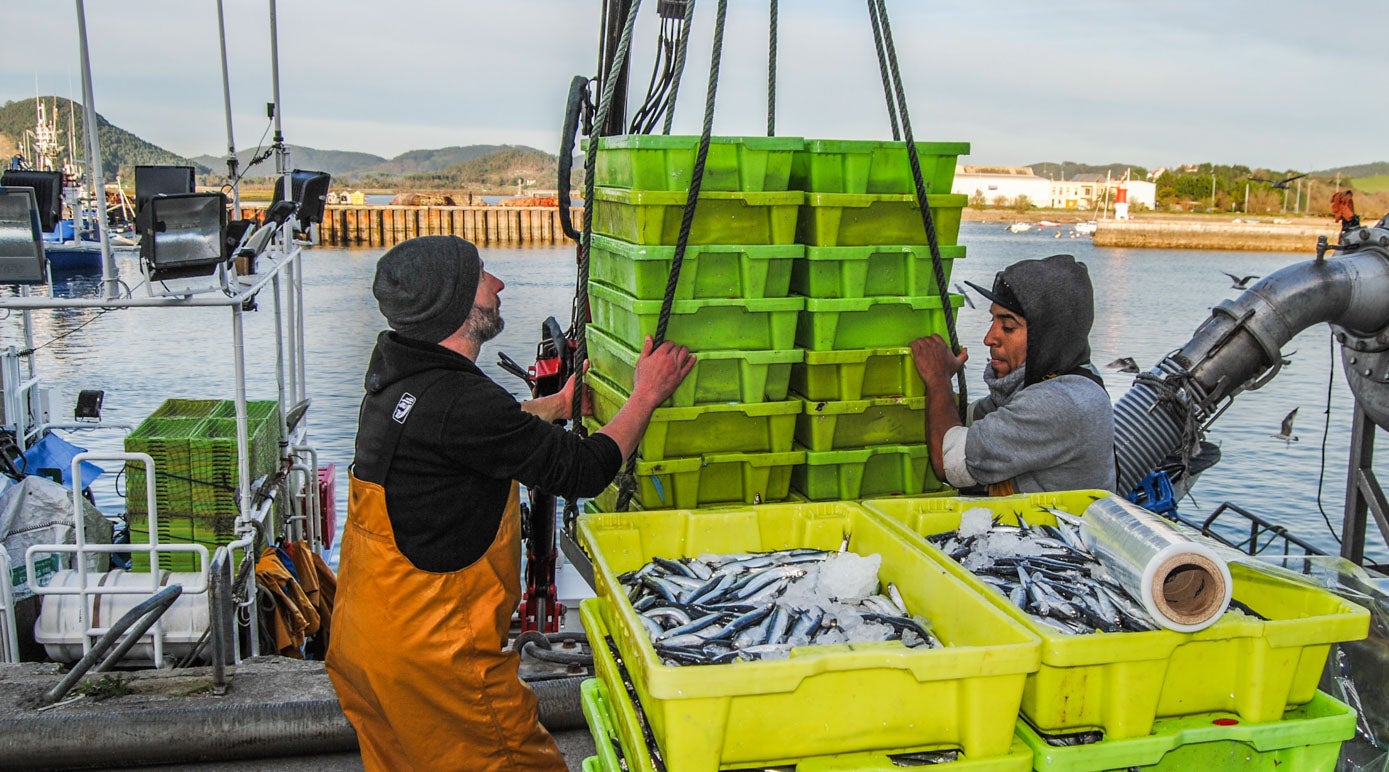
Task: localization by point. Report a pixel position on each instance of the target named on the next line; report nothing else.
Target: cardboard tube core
(1189, 588)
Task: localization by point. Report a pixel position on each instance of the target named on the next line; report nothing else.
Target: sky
(1277, 84)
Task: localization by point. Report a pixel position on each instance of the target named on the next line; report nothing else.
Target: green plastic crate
(653, 216)
(1121, 682)
(715, 478)
(707, 324)
(822, 700)
(857, 374)
(166, 441)
(707, 271)
(717, 376)
(861, 219)
(214, 465)
(1306, 739)
(666, 162)
(185, 408)
(759, 427)
(862, 323)
(871, 271)
(612, 719)
(859, 423)
(181, 561)
(884, 470)
(868, 166)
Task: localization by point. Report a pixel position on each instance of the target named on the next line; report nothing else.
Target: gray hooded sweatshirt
(1049, 425)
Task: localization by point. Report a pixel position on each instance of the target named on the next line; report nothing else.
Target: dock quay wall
(1253, 237)
(384, 226)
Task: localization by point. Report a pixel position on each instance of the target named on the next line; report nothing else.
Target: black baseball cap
(1001, 294)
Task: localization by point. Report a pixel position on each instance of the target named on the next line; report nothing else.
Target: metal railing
(1261, 533)
(9, 633)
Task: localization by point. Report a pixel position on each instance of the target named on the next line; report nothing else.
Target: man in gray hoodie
(1047, 423)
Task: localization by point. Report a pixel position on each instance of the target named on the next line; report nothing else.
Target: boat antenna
(110, 282)
(226, 101)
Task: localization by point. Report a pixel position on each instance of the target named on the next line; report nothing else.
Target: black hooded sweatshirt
(463, 440)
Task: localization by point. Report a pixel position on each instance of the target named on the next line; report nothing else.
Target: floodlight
(21, 241)
(151, 181)
(48, 193)
(185, 235)
(310, 191)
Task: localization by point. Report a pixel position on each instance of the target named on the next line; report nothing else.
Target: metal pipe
(110, 280)
(220, 615)
(147, 612)
(1238, 348)
(226, 100)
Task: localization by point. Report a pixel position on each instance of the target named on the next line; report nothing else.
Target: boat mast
(110, 282)
(226, 100)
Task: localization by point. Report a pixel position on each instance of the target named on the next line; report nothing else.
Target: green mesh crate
(863, 323)
(849, 219)
(653, 216)
(185, 408)
(859, 423)
(868, 166)
(215, 470)
(171, 561)
(710, 323)
(666, 162)
(857, 374)
(707, 271)
(718, 376)
(885, 470)
(166, 440)
(870, 271)
(1307, 739)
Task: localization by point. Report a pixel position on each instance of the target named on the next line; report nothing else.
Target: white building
(1001, 186)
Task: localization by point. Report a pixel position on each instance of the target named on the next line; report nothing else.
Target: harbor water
(1148, 303)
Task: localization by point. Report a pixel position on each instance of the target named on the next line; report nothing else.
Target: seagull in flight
(964, 294)
(1283, 183)
(1286, 433)
(1124, 365)
(1239, 282)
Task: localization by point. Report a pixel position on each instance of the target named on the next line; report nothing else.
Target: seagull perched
(1239, 282)
(964, 295)
(1124, 365)
(1286, 433)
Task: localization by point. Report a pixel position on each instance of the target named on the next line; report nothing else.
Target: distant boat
(1086, 228)
(1047, 224)
(1019, 227)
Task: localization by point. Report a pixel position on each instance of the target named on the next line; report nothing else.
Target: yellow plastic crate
(822, 700)
(762, 427)
(857, 473)
(829, 425)
(1121, 682)
(620, 745)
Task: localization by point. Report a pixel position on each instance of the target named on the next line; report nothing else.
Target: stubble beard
(484, 324)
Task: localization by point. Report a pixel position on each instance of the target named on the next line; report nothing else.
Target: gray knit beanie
(426, 286)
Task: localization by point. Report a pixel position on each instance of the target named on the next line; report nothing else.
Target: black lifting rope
(887, 53)
(627, 480)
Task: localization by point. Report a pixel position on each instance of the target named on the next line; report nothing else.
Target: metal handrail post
(148, 612)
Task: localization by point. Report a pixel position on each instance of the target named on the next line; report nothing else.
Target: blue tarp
(54, 452)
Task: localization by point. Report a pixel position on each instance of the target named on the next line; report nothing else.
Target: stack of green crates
(726, 435)
(197, 482)
(806, 276)
(870, 289)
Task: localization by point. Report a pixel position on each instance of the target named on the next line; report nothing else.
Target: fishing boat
(1019, 227)
(1086, 228)
(1161, 422)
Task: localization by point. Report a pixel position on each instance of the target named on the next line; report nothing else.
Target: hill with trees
(121, 151)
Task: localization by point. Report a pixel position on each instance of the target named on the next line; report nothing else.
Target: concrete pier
(1185, 234)
(383, 226)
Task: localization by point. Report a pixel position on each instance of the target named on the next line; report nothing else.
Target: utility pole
(1246, 198)
(1212, 191)
(1285, 200)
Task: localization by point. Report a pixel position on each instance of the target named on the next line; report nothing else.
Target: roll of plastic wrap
(1183, 584)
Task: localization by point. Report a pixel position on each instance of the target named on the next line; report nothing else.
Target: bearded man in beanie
(1047, 423)
(430, 567)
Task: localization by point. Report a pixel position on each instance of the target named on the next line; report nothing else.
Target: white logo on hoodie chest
(402, 408)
